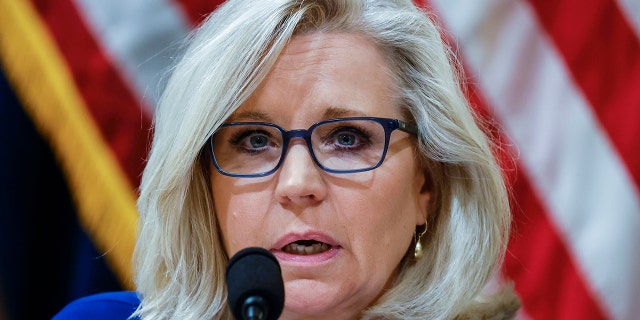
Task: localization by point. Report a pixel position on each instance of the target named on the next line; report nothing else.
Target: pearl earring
(417, 253)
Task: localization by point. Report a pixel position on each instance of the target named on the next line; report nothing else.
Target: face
(362, 223)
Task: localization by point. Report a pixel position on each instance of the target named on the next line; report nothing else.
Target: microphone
(254, 284)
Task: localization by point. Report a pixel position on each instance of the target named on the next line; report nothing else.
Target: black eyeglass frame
(388, 124)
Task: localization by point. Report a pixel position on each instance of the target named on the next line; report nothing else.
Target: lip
(288, 258)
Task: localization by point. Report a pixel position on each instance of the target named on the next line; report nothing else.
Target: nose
(300, 181)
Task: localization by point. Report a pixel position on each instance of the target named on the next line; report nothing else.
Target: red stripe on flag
(603, 54)
(537, 260)
(121, 120)
(197, 10)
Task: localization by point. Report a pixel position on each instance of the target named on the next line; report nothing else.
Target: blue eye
(258, 141)
(345, 139)
(252, 141)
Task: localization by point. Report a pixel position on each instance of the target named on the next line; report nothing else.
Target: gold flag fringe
(104, 198)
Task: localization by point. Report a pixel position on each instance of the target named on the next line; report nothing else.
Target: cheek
(384, 221)
(389, 219)
(238, 215)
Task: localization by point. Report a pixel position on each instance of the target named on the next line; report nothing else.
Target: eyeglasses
(343, 145)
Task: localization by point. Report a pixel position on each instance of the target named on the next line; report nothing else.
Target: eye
(347, 138)
(258, 141)
(252, 140)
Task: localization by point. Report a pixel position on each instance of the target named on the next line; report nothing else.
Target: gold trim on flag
(104, 198)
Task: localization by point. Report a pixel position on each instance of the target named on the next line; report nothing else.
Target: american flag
(559, 82)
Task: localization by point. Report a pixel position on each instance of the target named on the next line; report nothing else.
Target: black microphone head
(253, 275)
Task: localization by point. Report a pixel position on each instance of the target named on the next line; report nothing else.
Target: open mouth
(306, 247)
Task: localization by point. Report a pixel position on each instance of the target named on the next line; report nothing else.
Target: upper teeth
(296, 248)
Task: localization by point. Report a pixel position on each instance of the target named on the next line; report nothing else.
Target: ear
(424, 198)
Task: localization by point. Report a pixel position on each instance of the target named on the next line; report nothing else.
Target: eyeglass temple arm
(407, 127)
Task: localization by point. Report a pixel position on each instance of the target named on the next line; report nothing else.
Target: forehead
(326, 55)
(328, 49)
(337, 74)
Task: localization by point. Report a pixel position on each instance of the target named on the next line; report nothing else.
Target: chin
(314, 312)
(306, 299)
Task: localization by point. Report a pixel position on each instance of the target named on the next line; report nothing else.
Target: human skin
(368, 219)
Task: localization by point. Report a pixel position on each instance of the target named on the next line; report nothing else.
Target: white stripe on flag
(570, 161)
(631, 10)
(140, 37)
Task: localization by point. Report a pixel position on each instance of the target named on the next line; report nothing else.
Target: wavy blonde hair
(179, 258)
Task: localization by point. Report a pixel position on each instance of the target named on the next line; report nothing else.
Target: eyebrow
(340, 112)
(331, 113)
(251, 116)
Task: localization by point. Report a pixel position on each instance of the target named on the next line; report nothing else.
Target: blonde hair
(179, 259)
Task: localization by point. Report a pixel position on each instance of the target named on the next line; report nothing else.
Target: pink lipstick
(306, 248)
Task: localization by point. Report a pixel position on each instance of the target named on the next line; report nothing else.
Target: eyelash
(360, 133)
(238, 138)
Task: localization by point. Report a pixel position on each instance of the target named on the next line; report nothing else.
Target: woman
(335, 135)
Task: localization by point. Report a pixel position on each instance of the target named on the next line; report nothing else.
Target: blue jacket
(117, 305)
